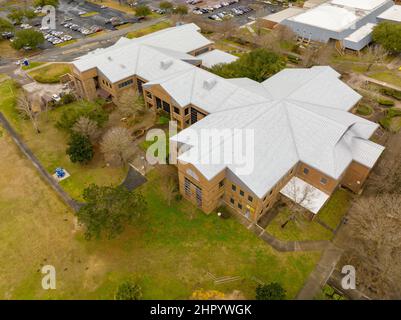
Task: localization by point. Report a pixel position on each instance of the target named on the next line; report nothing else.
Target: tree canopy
(165, 5)
(42, 3)
(128, 291)
(17, 15)
(142, 11)
(5, 25)
(258, 65)
(388, 35)
(109, 209)
(27, 38)
(271, 291)
(181, 9)
(80, 148)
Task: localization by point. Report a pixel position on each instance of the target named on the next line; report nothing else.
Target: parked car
(82, 13)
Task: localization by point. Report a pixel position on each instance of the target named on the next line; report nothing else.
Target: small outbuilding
(213, 57)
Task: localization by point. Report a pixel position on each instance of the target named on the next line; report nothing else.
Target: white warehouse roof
(211, 58)
(327, 17)
(280, 16)
(359, 4)
(361, 33)
(392, 14)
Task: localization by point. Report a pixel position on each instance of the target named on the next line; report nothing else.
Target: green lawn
(50, 145)
(50, 73)
(304, 229)
(153, 28)
(392, 77)
(301, 229)
(32, 65)
(168, 252)
(335, 209)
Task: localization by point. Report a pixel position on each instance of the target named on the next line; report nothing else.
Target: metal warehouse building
(348, 21)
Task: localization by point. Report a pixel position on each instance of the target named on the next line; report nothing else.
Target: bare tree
(317, 56)
(24, 107)
(386, 178)
(301, 198)
(375, 54)
(88, 128)
(169, 189)
(117, 146)
(374, 247)
(130, 104)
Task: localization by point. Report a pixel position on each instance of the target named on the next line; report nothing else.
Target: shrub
(393, 112)
(271, 291)
(80, 149)
(385, 102)
(67, 98)
(128, 291)
(364, 110)
(391, 93)
(71, 115)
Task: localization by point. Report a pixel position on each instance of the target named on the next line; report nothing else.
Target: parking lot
(241, 11)
(72, 22)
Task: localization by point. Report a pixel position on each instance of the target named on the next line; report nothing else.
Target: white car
(81, 12)
(103, 7)
(56, 97)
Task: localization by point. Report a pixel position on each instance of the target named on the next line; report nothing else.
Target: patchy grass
(301, 229)
(123, 26)
(7, 51)
(37, 229)
(100, 33)
(89, 14)
(50, 145)
(392, 77)
(153, 28)
(335, 209)
(115, 5)
(66, 43)
(50, 73)
(32, 65)
(331, 214)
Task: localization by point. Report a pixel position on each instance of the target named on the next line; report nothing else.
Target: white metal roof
(328, 17)
(216, 56)
(306, 195)
(183, 38)
(280, 16)
(361, 33)
(392, 14)
(290, 123)
(360, 4)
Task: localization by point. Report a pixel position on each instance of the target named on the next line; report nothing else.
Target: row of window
(239, 205)
(323, 180)
(241, 193)
(125, 83)
(108, 84)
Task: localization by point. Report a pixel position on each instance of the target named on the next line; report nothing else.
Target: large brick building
(304, 133)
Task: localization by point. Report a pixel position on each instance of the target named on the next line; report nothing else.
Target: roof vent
(209, 84)
(109, 58)
(123, 66)
(165, 64)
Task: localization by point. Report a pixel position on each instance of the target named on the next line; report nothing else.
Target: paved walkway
(134, 179)
(322, 272)
(279, 245)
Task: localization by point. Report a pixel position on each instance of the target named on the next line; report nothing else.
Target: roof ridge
(294, 103)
